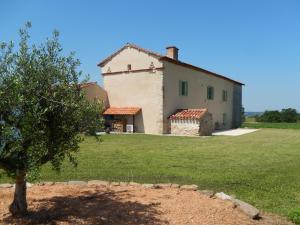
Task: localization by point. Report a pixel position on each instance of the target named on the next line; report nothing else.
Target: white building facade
(161, 85)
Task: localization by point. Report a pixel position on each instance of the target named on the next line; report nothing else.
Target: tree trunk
(19, 206)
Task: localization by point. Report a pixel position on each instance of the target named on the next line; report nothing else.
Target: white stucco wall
(142, 90)
(197, 93)
(137, 59)
(136, 89)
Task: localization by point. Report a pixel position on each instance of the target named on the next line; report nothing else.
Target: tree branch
(47, 158)
(6, 165)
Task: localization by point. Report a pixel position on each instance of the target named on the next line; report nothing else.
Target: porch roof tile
(188, 114)
(122, 111)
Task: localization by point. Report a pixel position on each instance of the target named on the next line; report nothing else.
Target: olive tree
(42, 110)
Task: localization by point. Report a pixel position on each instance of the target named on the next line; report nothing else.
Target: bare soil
(67, 204)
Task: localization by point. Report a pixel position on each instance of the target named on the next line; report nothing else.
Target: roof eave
(165, 58)
(103, 62)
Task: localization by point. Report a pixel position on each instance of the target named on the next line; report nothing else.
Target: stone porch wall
(203, 127)
(185, 127)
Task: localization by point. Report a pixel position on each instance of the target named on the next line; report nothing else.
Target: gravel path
(71, 204)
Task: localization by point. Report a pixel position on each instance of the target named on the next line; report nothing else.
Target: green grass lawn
(271, 125)
(250, 119)
(262, 168)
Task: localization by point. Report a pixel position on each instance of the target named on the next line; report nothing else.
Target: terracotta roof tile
(122, 111)
(188, 114)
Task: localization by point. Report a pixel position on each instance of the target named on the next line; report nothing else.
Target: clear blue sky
(254, 41)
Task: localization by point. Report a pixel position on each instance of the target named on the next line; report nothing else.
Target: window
(210, 93)
(183, 88)
(129, 67)
(224, 96)
(224, 118)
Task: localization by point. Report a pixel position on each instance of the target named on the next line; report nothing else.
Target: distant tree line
(288, 115)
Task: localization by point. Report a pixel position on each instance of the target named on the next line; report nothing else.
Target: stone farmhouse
(159, 94)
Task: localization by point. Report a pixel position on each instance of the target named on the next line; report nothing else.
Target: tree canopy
(288, 115)
(42, 110)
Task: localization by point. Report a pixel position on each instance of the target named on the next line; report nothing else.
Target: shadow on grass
(89, 208)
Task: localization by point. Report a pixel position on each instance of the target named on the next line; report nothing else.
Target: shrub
(270, 116)
(288, 115)
(295, 216)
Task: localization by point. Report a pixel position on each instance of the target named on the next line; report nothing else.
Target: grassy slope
(262, 168)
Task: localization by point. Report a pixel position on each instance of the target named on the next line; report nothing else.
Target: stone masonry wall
(185, 127)
(204, 127)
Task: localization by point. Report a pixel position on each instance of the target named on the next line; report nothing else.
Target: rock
(123, 184)
(75, 182)
(98, 183)
(134, 184)
(175, 185)
(48, 183)
(208, 193)
(162, 185)
(115, 183)
(6, 185)
(223, 196)
(61, 183)
(191, 187)
(148, 185)
(248, 209)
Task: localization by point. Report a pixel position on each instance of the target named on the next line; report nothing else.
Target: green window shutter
(210, 93)
(186, 88)
(224, 95)
(207, 92)
(183, 88)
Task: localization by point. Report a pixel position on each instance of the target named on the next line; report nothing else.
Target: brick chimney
(172, 52)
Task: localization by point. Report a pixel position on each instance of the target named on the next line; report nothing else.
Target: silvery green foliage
(42, 108)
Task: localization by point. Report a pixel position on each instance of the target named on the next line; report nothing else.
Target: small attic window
(128, 66)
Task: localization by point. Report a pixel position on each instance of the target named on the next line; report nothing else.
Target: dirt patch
(67, 204)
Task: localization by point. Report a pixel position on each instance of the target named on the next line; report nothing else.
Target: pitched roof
(103, 62)
(165, 58)
(183, 114)
(122, 111)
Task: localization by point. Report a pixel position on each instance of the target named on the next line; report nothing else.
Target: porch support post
(133, 123)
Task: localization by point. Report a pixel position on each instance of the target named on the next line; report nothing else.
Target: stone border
(245, 207)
